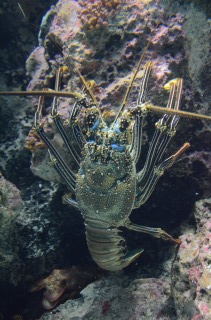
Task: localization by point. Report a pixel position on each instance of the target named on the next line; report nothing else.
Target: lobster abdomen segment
(107, 248)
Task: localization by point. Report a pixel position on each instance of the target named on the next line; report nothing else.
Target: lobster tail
(107, 248)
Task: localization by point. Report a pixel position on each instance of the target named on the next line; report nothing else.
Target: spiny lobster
(107, 186)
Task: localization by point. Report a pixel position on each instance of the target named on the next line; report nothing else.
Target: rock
(104, 41)
(119, 297)
(192, 272)
(10, 206)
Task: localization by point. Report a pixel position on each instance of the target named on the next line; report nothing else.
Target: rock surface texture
(119, 297)
(192, 270)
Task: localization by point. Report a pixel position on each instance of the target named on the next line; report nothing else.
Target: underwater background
(44, 260)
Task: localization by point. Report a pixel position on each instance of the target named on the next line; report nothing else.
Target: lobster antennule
(88, 89)
(86, 86)
(144, 82)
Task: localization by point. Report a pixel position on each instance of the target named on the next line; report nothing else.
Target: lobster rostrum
(107, 186)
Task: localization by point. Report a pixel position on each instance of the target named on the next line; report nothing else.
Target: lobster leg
(60, 165)
(155, 232)
(56, 118)
(87, 101)
(60, 169)
(75, 129)
(67, 199)
(136, 144)
(165, 129)
(156, 173)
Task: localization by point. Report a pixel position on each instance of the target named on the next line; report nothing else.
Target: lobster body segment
(107, 247)
(106, 191)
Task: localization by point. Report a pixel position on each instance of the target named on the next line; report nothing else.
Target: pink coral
(95, 13)
(33, 141)
(71, 281)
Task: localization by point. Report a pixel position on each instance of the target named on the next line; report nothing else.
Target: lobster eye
(109, 116)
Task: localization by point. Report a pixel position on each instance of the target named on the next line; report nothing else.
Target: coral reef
(192, 272)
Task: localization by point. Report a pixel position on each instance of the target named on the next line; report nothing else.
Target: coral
(192, 272)
(71, 281)
(95, 13)
(33, 141)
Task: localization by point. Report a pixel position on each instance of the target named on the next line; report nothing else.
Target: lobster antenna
(87, 87)
(139, 64)
(180, 113)
(21, 9)
(49, 93)
(64, 94)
